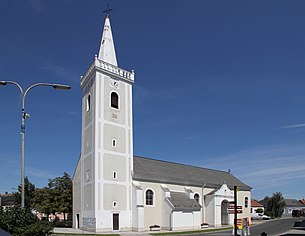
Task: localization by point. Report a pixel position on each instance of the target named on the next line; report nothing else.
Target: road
(3, 233)
(275, 227)
(271, 227)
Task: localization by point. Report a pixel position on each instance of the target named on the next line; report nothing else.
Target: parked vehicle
(259, 216)
(298, 213)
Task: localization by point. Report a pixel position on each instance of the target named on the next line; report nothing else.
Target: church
(114, 190)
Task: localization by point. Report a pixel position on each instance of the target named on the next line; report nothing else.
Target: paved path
(272, 228)
(78, 231)
(127, 233)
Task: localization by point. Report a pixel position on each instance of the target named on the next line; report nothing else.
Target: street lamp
(24, 116)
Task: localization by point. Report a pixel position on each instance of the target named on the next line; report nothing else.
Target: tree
(43, 201)
(61, 188)
(55, 197)
(275, 205)
(29, 192)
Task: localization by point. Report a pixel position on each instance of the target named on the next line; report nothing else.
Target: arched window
(114, 100)
(246, 202)
(196, 197)
(88, 105)
(149, 196)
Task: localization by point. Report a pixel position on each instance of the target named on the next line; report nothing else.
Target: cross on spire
(107, 10)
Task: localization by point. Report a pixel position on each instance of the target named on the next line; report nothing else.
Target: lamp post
(24, 116)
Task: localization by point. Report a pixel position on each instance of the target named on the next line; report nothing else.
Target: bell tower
(103, 175)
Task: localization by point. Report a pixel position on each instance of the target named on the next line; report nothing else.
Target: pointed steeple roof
(107, 49)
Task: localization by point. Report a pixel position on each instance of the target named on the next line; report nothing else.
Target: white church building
(113, 190)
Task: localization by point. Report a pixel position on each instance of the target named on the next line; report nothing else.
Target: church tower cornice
(109, 69)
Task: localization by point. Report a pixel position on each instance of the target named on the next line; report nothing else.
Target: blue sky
(219, 84)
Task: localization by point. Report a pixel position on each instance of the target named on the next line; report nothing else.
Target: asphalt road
(271, 227)
(3, 233)
(275, 227)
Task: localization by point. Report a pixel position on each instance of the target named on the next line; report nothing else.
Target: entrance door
(224, 212)
(115, 222)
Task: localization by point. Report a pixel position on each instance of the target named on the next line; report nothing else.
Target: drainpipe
(202, 203)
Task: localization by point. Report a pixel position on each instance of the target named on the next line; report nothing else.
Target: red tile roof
(302, 201)
(256, 204)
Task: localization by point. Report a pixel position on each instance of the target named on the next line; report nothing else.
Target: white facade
(106, 197)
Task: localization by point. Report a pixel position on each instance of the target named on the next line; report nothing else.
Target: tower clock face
(114, 83)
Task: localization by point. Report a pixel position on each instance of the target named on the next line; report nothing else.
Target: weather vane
(108, 10)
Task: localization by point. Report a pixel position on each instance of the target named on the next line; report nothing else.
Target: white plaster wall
(105, 219)
(87, 169)
(152, 214)
(114, 163)
(86, 204)
(241, 202)
(218, 200)
(213, 216)
(160, 212)
(88, 200)
(202, 191)
(111, 114)
(134, 208)
(223, 194)
(197, 219)
(77, 194)
(137, 209)
(114, 193)
(210, 212)
(112, 124)
(114, 132)
(186, 220)
(166, 215)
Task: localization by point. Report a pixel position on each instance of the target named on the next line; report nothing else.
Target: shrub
(38, 228)
(259, 210)
(62, 224)
(21, 222)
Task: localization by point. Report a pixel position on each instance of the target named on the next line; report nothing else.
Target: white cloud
(40, 173)
(292, 126)
(59, 70)
(267, 169)
(272, 170)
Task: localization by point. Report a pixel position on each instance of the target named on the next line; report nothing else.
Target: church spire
(107, 50)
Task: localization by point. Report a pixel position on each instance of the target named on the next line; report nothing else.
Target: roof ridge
(171, 162)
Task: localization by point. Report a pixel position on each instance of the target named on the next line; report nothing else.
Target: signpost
(231, 209)
(241, 226)
(235, 210)
(232, 206)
